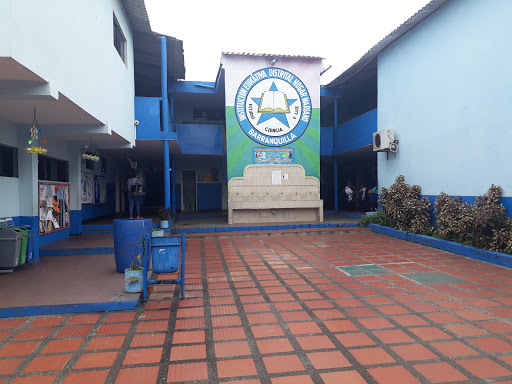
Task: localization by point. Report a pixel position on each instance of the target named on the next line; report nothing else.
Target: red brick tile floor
(332, 306)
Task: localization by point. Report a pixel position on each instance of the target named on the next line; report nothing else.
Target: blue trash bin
(30, 243)
(165, 254)
(128, 235)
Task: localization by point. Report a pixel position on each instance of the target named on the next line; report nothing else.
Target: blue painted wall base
(69, 308)
(275, 227)
(497, 258)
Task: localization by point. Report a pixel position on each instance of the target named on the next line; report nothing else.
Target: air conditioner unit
(383, 140)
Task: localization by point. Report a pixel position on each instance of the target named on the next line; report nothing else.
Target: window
(89, 164)
(119, 40)
(52, 169)
(212, 114)
(8, 161)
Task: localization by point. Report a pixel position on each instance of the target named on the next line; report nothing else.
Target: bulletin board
(54, 207)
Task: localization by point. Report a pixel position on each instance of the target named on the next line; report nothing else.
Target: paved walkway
(307, 307)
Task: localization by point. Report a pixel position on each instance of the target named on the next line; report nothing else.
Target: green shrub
(379, 218)
(489, 216)
(453, 218)
(483, 224)
(406, 211)
(502, 240)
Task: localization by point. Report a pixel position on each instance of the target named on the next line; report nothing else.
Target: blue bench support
(159, 243)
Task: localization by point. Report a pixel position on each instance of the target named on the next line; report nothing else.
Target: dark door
(189, 191)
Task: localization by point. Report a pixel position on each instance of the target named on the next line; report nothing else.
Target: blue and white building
(74, 78)
(440, 81)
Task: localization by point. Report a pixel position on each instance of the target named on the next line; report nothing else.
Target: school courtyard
(339, 305)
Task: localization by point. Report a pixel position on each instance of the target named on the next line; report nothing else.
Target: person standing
(135, 193)
(363, 197)
(349, 191)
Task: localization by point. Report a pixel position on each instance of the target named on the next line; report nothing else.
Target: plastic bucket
(133, 286)
(128, 234)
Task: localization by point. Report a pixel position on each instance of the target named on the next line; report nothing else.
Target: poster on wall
(87, 188)
(208, 175)
(53, 207)
(273, 156)
(272, 112)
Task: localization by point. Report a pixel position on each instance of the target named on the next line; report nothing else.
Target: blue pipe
(165, 121)
(173, 172)
(173, 187)
(171, 117)
(335, 158)
(335, 183)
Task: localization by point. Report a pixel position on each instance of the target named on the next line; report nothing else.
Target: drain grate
(433, 278)
(364, 270)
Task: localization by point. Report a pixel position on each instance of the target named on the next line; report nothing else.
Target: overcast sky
(340, 31)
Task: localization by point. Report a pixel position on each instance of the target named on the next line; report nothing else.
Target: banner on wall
(102, 189)
(53, 207)
(272, 112)
(94, 189)
(273, 156)
(87, 188)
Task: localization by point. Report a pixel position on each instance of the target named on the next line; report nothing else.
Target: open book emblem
(274, 102)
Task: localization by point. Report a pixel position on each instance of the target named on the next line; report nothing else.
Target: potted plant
(134, 275)
(165, 216)
(157, 232)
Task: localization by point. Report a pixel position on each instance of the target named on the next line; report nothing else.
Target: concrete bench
(274, 193)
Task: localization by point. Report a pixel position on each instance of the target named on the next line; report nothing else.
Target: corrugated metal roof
(138, 16)
(372, 54)
(273, 55)
(146, 48)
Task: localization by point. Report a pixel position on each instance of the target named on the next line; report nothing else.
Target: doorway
(189, 191)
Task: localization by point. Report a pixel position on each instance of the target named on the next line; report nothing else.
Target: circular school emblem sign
(273, 107)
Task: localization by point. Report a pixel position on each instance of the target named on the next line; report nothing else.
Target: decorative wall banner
(273, 156)
(87, 188)
(100, 189)
(103, 189)
(53, 207)
(272, 104)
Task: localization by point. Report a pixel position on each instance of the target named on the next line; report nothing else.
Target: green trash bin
(23, 247)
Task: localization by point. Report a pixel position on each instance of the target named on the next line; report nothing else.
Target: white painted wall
(70, 45)
(22, 192)
(5, 28)
(445, 88)
(9, 186)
